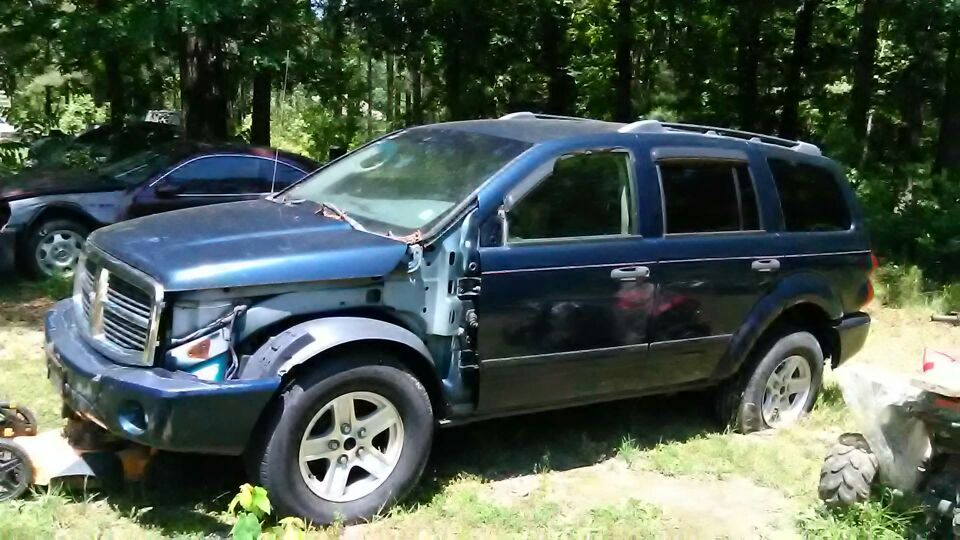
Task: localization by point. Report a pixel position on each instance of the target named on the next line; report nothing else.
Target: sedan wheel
(58, 252)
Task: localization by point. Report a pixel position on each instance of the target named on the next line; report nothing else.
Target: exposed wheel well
(62, 212)
(811, 318)
(422, 369)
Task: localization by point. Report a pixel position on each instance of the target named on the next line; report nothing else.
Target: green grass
(507, 478)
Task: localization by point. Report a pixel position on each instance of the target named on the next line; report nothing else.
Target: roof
(538, 128)
(532, 130)
(187, 148)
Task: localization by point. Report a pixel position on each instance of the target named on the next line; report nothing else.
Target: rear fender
(794, 290)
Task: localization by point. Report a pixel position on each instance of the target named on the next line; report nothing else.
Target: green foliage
(882, 519)
(251, 506)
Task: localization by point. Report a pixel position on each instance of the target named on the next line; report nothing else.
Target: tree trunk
(369, 95)
(260, 121)
(623, 99)
(948, 142)
(793, 93)
(748, 62)
(866, 52)
(416, 82)
(390, 88)
(202, 86)
(561, 89)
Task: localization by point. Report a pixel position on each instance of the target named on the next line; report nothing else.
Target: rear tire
(848, 472)
(781, 389)
(53, 248)
(326, 434)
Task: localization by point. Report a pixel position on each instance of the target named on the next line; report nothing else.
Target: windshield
(137, 168)
(408, 181)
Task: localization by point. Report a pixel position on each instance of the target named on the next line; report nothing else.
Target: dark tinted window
(708, 197)
(285, 174)
(810, 197)
(221, 175)
(586, 195)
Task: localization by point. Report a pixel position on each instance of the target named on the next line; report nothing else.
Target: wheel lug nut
(333, 445)
(359, 451)
(345, 428)
(342, 460)
(362, 433)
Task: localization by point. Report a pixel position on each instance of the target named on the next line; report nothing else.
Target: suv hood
(247, 243)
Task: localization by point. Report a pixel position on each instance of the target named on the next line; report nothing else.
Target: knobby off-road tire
(848, 472)
(16, 471)
(325, 425)
(782, 387)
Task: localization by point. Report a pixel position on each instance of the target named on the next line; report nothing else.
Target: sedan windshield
(138, 168)
(408, 181)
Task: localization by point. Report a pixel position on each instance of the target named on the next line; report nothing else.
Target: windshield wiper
(342, 215)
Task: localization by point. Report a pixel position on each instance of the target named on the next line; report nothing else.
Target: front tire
(346, 440)
(848, 472)
(53, 248)
(782, 388)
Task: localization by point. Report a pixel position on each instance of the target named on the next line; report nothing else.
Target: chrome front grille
(119, 308)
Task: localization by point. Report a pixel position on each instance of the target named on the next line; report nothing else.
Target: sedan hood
(37, 182)
(247, 243)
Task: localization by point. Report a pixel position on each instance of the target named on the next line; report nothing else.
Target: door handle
(630, 273)
(765, 265)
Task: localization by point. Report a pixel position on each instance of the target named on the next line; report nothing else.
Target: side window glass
(585, 195)
(708, 197)
(285, 175)
(220, 175)
(810, 197)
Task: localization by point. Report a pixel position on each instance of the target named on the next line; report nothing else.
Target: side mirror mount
(168, 190)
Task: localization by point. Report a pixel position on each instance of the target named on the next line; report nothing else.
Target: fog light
(132, 418)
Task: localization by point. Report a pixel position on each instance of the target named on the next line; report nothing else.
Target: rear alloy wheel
(54, 248)
(781, 389)
(787, 391)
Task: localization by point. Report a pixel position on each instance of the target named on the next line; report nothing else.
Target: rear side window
(708, 197)
(810, 197)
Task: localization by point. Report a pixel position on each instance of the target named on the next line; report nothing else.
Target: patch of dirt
(691, 507)
(694, 507)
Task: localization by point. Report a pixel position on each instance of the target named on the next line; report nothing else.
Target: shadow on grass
(24, 303)
(563, 439)
(186, 494)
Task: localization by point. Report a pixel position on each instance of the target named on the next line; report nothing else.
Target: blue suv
(462, 271)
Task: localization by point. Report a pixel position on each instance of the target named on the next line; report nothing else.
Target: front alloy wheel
(351, 446)
(346, 439)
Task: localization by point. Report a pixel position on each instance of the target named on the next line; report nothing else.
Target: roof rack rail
(799, 146)
(643, 126)
(527, 115)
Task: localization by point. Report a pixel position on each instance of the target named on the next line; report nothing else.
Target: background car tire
(741, 399)
(274, 460)
(44, 233)
(848, 472)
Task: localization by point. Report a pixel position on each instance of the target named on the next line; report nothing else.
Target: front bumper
(151, 406)
(852, 331)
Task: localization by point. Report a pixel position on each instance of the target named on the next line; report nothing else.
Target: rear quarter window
(810, 197)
